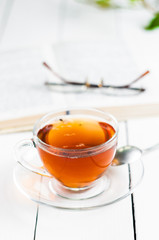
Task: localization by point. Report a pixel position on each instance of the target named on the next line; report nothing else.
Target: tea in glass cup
(76, 147)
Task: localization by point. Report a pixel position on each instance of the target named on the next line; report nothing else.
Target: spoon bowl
(128, 154)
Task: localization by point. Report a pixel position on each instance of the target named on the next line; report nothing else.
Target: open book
(23, 77)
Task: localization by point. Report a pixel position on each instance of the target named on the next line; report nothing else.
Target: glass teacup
(76, 146)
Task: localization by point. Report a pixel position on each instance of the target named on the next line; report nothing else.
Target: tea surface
(76, 133)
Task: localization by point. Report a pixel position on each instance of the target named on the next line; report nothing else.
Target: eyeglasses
(70, 86)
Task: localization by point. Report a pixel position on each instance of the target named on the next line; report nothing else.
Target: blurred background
(111, 42)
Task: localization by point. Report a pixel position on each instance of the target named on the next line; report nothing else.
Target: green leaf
(154, 23)
(133, 1)
(103, 3)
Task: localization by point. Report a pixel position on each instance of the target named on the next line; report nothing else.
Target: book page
(110, 61)
(23, 77)
(22, 83)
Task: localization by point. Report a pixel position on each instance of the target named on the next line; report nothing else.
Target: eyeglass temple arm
(137, 79)
(60, 77)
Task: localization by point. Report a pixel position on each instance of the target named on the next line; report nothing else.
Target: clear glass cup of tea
(75, 148)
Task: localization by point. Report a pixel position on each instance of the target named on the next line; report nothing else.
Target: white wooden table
(136, 217)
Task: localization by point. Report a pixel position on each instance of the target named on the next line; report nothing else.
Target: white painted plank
(121, 134)
(5, 9)
(32, 23)
(144, 133)
(17, 213)
(104, 223)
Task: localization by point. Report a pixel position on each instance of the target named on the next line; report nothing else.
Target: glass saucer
(122, 182)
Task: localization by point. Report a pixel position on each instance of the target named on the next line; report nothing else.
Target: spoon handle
(149, 149)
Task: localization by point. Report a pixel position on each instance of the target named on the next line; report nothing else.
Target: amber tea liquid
(76, 134)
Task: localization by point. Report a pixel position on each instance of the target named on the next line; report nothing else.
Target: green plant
(154, 22)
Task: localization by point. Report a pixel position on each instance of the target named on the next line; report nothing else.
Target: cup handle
(27, 156)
